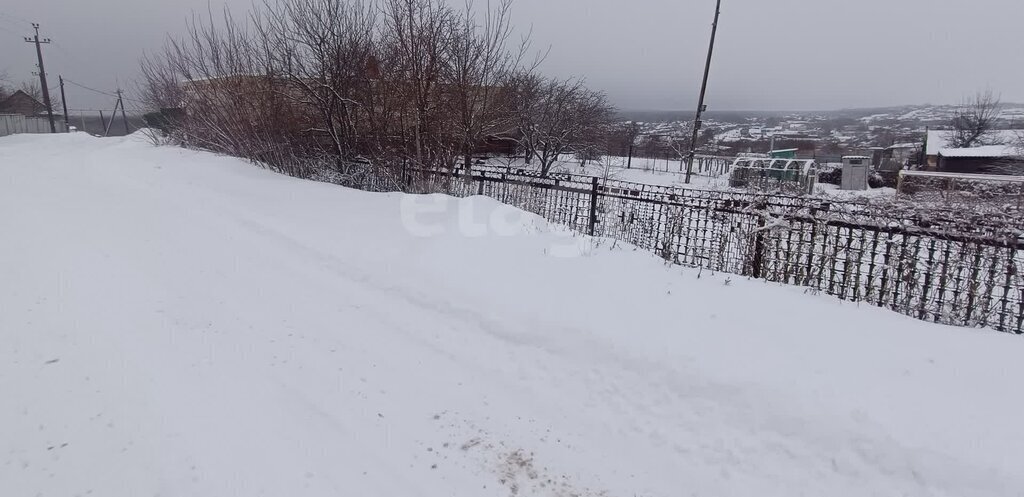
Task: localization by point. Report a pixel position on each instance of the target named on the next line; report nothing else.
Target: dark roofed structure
(989, 159)
(22, 103)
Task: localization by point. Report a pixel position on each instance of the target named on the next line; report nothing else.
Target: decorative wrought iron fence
(946, 266)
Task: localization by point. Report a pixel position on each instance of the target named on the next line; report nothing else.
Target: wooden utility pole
(703, 90)
(64, 104)
(124, 118)
(42, 74)
(113, 115)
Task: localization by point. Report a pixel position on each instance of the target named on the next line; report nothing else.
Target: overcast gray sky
(647, 54)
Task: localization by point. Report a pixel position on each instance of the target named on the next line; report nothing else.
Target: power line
(137, 101)
(137, 105)
(90, 89)
(63, 50)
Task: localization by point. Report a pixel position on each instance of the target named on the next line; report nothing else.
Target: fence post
(504, 189)
(593, 205)
(758, 260)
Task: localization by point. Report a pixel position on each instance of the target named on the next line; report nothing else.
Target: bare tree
(4, 90)
(480, 64)
(556, 117)
(319, 50)
(974, 121)
(324, 86)
(160, 86)
(232, 99)
(32, 89)
(417, 33)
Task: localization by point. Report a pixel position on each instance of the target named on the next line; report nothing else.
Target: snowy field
(664, 172)
(659, 172)
(181, 324)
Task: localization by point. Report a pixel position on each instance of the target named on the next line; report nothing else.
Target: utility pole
(64, 104)
(124, 118)
(632, 141)
(42, 74)
(703, 90)
(113, 115)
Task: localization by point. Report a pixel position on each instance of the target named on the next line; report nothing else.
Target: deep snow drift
(176, 323)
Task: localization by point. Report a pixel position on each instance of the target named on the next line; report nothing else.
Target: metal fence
(934, 264)
(11, 124)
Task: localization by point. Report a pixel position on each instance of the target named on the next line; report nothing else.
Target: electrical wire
(66, 80)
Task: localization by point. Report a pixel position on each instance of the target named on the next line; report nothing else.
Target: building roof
(939, 139)
(987, 151)
(22, 103)
(945, 174)
(904, 145)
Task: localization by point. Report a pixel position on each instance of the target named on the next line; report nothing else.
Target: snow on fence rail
(939, 265)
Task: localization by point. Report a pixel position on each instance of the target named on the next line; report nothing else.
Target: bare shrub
(974, 121)
(304, 86)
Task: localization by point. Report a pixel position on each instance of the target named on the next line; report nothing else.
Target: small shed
(856, 169)
(989, 159)
(938, 140)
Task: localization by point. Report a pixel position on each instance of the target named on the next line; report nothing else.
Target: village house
(23, 104)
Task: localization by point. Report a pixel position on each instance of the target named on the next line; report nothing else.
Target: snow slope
(175, 323)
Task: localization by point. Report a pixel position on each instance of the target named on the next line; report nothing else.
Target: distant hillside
(1012, 113)
(658, 116)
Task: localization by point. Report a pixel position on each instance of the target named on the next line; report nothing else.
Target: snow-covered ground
(835, 191)
(176, 323)
(661, 172)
